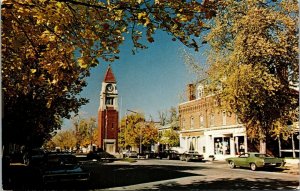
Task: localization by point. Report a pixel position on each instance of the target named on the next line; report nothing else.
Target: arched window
(192, 122)
(212, 119)
(224, 117)
(200, 91)
(201, 119)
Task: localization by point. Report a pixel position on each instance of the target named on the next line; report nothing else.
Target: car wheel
(253, 166)
(231, 164)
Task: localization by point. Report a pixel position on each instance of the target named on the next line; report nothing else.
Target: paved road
(162, 175)
(211, 175)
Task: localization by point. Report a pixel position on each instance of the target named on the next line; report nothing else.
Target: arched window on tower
(200, 91)
(109, 101)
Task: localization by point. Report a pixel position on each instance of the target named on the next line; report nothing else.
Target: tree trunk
(293, 146)
(279, 146)
(262, 146)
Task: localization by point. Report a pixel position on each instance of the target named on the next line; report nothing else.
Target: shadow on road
(124, 175)
(102, 176)
(107, 175)
(231, 184)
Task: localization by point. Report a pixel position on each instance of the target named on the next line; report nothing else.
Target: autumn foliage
(48, 47)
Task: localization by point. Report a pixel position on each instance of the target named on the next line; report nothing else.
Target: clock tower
(108, 113)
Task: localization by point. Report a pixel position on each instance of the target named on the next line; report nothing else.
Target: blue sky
(152, 80)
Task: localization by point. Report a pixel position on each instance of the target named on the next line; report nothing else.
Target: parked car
(150, 154)
(169, 154)
(62, 167)
(254, 161)
(191, 156)
(130, 154)
(99, 155)
(34, 156)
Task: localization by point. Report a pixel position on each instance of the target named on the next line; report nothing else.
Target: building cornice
(213, 128)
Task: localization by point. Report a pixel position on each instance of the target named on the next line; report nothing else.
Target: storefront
(223, 142)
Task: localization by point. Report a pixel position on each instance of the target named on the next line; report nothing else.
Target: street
(180, 175)
(170, 175)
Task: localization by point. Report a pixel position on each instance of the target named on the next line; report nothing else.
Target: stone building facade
(207, 129)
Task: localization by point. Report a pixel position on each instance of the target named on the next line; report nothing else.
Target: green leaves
(252, 59)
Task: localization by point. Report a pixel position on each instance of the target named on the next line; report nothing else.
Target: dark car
(191, 156)
(34, 156)
(62, 167)
(148, 155)
(169, 154)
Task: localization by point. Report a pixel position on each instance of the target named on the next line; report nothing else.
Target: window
(200, 92)
(201, 121)
(192, 122)
(183, 123)
(224, 117)
(212, 119)
(109, 101)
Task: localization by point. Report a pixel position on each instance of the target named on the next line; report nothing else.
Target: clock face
(109, 87)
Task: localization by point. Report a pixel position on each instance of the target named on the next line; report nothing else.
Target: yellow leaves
(118, 15)
(33, 71)
(59, 4)
(48, 36)
(49, 102)
(82, 63)
(85, 61)
(184, 18)
(144, 19)
(142, 15)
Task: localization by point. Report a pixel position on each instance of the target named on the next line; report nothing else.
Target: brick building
(108, 113)
(207, 129)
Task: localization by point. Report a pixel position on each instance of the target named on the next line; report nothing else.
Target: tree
(170, 137)
(49, 46)
(149, 134)
(129, 135)
(162, 117)
(134, 130)
(64, 139)
(85, 130)
(173, 118)
(254, 63)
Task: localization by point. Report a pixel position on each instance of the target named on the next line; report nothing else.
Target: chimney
(191, 92)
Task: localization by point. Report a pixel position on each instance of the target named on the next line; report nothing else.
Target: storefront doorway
(222, 145)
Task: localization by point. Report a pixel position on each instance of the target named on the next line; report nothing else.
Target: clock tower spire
(108, 113)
